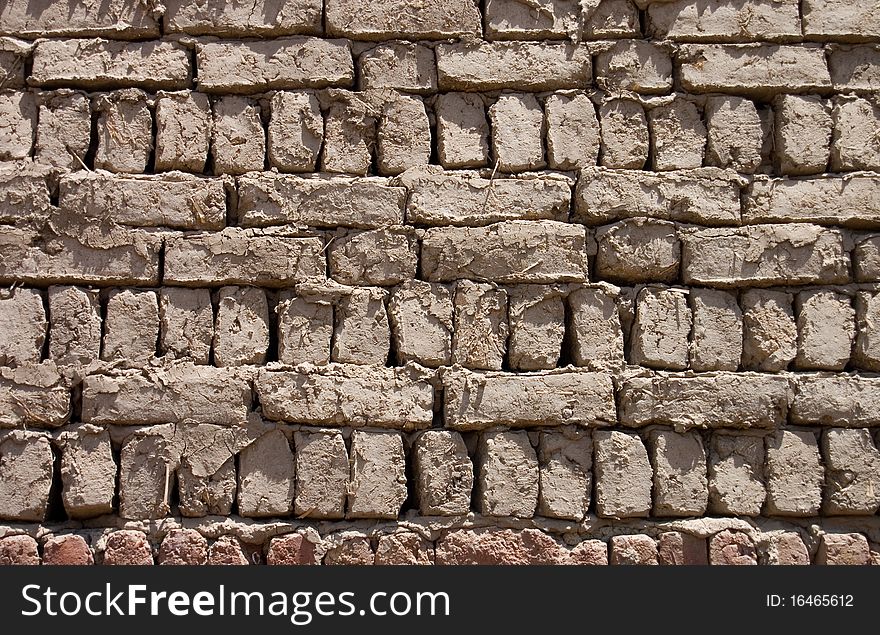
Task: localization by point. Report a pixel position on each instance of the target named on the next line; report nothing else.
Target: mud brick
(146, 472)
(517, 131)
(227, 550)
(349, 136)
(633, 550)
(127, 547)
(678, 135)
(866, 353)
(596, 332)
(183, 131)
(635, 65)
(19, 550)
(677, 548)
(843, 549)
(296, 131)
(183, 547)
(88, 471)
(218, 17)
(64, 129)
(398, 66)
(794, 474)
(866, 259)
(841, 20)
(547, 19)
(444, 474)
(266, 478)
(305, 328)
(735, 134)
(769, 330)
(852, 472)
(717, 337)
(378, 485)
(119, 19)
(13, 54)
(24, 193)
(362, 334)
(292, 549)
(354, 550)
(589, 553)
(573, 137)
(498, 547)
(462, 130)
(508, 475)
(25, 476)
(787, 548)
(848, 401)
(404, 135)
(625, 135)
(850, 202)
(623, 475)
(826, 330)
(566, 473)
(537, 327)
(125, 131)
(661, 329)
(611, 19)
(131, 328)
(382, 257)
(479, 339)
(186, 319)
(322, 470)
(241, 328)
(405, 547)
(23, 326)
(19, 112)
(803, 134)
(714, 21)
(854, 68)
(856, 124)
(732, 548)
(67, 550)
(33, 396)
(638, 250)
(736, 475)
(238, 141)
(421, 317)
(433, 20)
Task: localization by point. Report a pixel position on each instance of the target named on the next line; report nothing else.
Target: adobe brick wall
(355, 282)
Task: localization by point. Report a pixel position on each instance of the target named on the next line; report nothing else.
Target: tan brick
(719, 21)
(596, 332)
(611, 19)
(507, 481)
(183, 131)
(443, 473)
(680, 485)
(238, 141)
(125, 131)
(794, 474)
(23, 326)
(13, 54)
(378, 485)
(421, 317)
(24, 193)
(64, 129)
(33, 396)
(131, 328)
(736, 475)
(383, 257)
(546, 19)
(866, 259)
(852, 472)
(296, 131)
(398, 66)
(678, 135)
(186, 319)
(735, 134)
(305, 328)
(88, 471)
(146, 474)
(623, 475)
(826, 330)
(349, 136)
(855, 68)
(462, 130)
(717, 336)
(241, 327)
(479, 339)
(537, 327)
(120, 19)
(661, 329)
(74, 325)
(19, 112)
(850, 202)
(638, 250)
(625, 135)
(635, 65)
(856, 125)
(839, 400)
(517, 132)
(802, 134)
(769, 330)
(263, 17)
(573, 137)
(323, 471)
(566, 473)
(404, 135)
(25, 476)
(362, 333)
(841, 20)
(866, 353)
(266, 477)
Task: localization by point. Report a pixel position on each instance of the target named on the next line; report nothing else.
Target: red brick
(637, 549)
(128, 547)
(843, 549)
(498, 547)
(404, 548)
(787, 548)
(291, 549)
(227, 551)
(589, 552)
(350, 551)
(732, 548)
(67, 550)
(674, 547)
(183, 546)
(19, 550)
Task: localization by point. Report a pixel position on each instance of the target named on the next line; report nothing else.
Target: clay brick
(33, 396)
(843, 549)
(241, 328)
(841, 400)
(362, 334)
(719, 21)
(319, 201)
(200, 394)
(517, 130)
(497, 253)
(634, 65)
(125, 131)
(611, 19)
(794, 474)
(383, 257)
(735, 134)
(479, 339)
(238, 141)
(850, 202)
(732, 548)
(64, 129)
(13, 54)
(633, 550)
(183, 547)
(23, 326)
(355, 550)
(679, 461)
(625, 134)
(841, 20)
(638, 250)
(131, 328)
(498, 547)
(866, 259)
(404, 548)
(856, 125)
(787, 548)
(24, 193)
(623, 475)
(281, 63)
(421, 323)
(717, 336)
(462, 130)
(20, 121)
(661, 329)
(266, 477)
(51, 256)
(119, 19)
(67, 550)
(207, 494)
(433, 19)
(227, 550)
(507, 481)
(769, 330)
(242, 256)
(721, 400)
(25, 476)
(548, 19)
(292, 549)
(102, 64)
(802, 134)
(479, 400)
(322, 470)
(183, 131)
(566, 478)
(678, 135)
(174, 200)
(852, 476)
(854, 68)
(19, 550)
(757, 70)
(826, 330)
(573, 138)
(590, 553)
(398, 66)
(218, 17)
(349, 136)
(347, 395)
(404, 135)
(764, 255)
(456, 198)
(444, 475)
(736, 475)
(595, 328)
(537, 327)
(532, 66)
(378, 485)
(146, 471)
(186, 321)
(706, 196)
(127, 547)
(677, 548)
(305, 328)
(88, 471)
(296, 131)
(866, 353)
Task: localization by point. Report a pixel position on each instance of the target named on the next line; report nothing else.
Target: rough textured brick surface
(638, 250)
(33, 396)
(183, 131)
(119, 18)
(25, 476)
(536, 315)
(498, 547)
(714, 21)
(216, 17)
(736, 474)
(852, 472)
(732, 548)
(398, 66)
(661, 329)
(508, 475)
(679, 460)
(624, 476)
(67, 550)
(625, 135)
(596, 331)
(385, 20)
(843, 549)
(23, 324)
(635, 65)
(19, 551)
(88, 471)
(565, 477)
(323, 472)
(127, 547)
(63, 129)
(266, 477)
(633, 550)
(444, 474)
(848, 401)
(378, 485)
(794, 474)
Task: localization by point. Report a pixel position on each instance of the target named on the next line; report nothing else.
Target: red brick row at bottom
(484, 546)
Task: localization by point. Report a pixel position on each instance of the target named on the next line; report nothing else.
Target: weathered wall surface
(524, 282)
